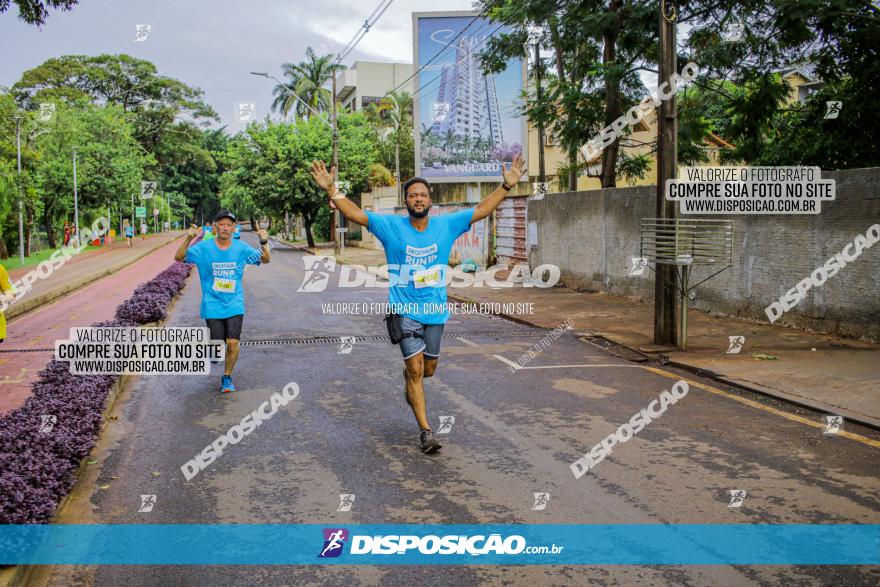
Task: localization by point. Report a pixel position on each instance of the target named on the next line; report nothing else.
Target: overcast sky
(214, 45)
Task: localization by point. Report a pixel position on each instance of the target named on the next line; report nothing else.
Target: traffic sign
(140, 212)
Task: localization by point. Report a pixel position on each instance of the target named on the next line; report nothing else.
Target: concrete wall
(592, 235)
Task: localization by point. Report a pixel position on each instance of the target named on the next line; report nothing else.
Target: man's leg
(231, 355)
(430, 365)
(233, 334)
(415, 390)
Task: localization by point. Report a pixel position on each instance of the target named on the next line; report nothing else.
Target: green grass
(13, 261)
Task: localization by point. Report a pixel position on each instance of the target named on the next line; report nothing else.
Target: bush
(37, 469)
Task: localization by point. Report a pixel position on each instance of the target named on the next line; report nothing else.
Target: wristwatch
(505, 186)
(264, 242)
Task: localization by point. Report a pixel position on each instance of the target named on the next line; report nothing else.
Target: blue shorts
(428, 344)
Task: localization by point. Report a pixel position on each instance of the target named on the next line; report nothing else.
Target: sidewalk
(824, 372)
(83, 269)
(34, 333)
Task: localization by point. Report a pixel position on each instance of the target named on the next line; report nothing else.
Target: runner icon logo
(446, 423)
(318, 271)
(347, 343)
(147, 503)
(736, 344)
(833, 424)
(346, 500)
(737, 496)
(639, 264)
(541, 501)
(334, 540)
(47, 422)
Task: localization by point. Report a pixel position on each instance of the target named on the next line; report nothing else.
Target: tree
(397, 109)
(268, 166)
(307, 78)
(36, 11)
(110, 163)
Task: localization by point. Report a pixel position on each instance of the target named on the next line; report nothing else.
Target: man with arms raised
(419, 246)
(221, 262)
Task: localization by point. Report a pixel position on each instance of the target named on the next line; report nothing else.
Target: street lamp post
(18, 118)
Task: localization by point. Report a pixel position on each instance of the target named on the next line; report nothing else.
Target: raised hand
(321, 175)
(263, 234)
(193, 231)
(513, 173)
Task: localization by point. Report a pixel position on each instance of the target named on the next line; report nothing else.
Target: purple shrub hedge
(36, 468)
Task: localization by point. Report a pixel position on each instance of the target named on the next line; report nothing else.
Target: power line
(365, 28)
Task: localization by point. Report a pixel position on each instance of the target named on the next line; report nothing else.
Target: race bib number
(224, 285)
(427, 278)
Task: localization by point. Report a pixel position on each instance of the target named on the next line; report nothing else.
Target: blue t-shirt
(220, 274)
(418, 283)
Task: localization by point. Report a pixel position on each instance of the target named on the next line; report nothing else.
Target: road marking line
(754, 404)
(793, 417)
(515, 366)
(467, 342)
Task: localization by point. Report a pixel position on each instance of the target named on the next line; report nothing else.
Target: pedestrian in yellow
(7, 294)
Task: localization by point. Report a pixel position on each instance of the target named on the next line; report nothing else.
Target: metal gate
(510, 230)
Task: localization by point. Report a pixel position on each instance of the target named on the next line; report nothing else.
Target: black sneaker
(428, 442)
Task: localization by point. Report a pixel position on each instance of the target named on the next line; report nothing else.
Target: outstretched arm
(511, 176)
(349, 209)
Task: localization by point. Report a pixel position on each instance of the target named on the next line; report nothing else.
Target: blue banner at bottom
(280, 544)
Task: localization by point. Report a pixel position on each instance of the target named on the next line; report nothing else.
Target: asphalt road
(351, 432)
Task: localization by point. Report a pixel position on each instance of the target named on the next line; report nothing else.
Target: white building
(367, 82)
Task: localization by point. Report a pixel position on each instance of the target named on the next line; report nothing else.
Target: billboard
(466, 124)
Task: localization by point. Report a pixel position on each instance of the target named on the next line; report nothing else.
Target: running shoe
(428, 442)
(226, 385)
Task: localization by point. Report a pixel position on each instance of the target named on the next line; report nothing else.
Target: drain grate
(338, 340)
(26, 350)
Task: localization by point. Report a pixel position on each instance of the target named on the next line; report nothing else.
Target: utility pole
(76, 204)
(18, 117)
(667, 168)
(539, 77)
(336, 219)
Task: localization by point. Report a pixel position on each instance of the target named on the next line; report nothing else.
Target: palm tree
(448, 142)
(397, 107)
(307, 78)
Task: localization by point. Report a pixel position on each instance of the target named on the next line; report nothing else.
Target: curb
(26, 306)
(21, 575)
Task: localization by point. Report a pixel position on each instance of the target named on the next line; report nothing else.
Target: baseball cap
(225, 214)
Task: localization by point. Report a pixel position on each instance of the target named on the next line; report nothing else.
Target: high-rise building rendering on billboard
(466, 100)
